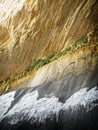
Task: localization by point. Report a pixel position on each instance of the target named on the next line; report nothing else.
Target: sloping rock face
(67, 98)
(63, 94)
(34, 29)
(78, 69)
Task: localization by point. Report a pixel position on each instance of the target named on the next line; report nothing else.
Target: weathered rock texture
(33, 29)
(77, 69)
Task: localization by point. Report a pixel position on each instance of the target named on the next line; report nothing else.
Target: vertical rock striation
(34, 29)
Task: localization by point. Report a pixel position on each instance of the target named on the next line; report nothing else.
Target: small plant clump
(80, 42)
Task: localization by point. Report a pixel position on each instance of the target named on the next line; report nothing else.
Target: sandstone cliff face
(77, 69)
(34, 29)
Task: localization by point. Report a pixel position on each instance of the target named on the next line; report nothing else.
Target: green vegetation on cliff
(40, 62)
(83, 41)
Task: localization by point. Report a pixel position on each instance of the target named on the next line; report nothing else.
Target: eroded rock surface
(34, 29)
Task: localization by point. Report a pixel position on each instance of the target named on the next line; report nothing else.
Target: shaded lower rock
(67, 120)
(23, 110)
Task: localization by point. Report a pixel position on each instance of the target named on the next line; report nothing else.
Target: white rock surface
(9, 8)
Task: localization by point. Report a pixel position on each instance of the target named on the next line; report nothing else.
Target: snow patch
(31, 108)
(84, 97)
(38, 109)
(5, 102)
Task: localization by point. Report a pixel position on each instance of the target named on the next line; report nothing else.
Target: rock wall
(77, 69)
(34, 29)
(64, 93)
